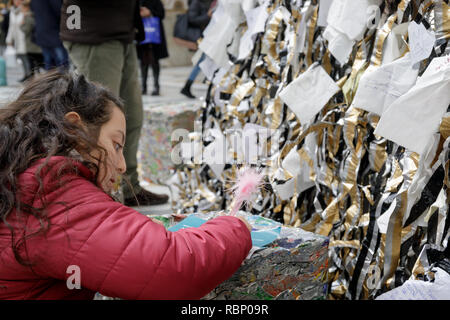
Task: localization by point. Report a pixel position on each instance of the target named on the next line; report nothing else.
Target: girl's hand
(157, 221)
(178, 217)
(246, 223)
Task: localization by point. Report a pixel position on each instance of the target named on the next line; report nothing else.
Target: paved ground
(171, 82)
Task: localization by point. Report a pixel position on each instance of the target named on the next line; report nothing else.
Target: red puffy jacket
(119, 252)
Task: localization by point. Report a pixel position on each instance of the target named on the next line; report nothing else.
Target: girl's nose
(122, 165)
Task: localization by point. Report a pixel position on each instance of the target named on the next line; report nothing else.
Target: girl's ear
(73, 118)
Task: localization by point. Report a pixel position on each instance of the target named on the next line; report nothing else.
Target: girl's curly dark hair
(34, 127)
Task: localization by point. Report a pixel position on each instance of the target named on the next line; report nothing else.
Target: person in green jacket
(103, 50)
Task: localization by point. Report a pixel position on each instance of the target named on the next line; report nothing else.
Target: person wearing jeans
(105, 53)
(199, 15)
(192, 76)
(47, 15)
(55, 57)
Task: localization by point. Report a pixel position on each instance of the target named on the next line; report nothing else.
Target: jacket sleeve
(196, 17)
(122, 253)
(28, 25)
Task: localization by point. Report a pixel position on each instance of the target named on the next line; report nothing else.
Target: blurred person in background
(149, 54)
(16, 37)
(199, 14)
(34, 53)
(47, 14)
(4, 24)
(103, 50)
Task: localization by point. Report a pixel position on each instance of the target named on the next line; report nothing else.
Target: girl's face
(112, 138)
(17, 3)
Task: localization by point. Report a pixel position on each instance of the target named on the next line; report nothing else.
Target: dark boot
(187, 89)
(144, 74)
(146, 198)
(155, 91)
(155, 69)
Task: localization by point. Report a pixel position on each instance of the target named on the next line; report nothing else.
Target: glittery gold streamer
(311, 27)
(381, 37)
(240, 92)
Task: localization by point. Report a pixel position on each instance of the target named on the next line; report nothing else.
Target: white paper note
(292, 162)
(256, 21)
(309, 93)
(208, 67)
(379, 87)
(422, 290)
(339, 44)
(324, 7)
(196, 57)
(285, 190)
(298, 168)
(220, 32)
(248, 4)
(347, 21)
(413, 118)
(219, 76)
(421, 41)
(351, 17)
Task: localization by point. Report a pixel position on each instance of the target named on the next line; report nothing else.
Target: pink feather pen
(249, 180)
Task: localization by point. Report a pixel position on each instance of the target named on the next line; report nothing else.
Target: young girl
(61, 147)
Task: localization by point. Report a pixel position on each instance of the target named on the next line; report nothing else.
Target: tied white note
(347, 21)
(309, 93)
(256, 21)
(339, 44)
(220, 31)
(284, 189)
(422, 290)
(324, 8)
(350, 17)
(299, 168)
(379, 87)
(413, 118)
(208, 67)
(421, 41)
